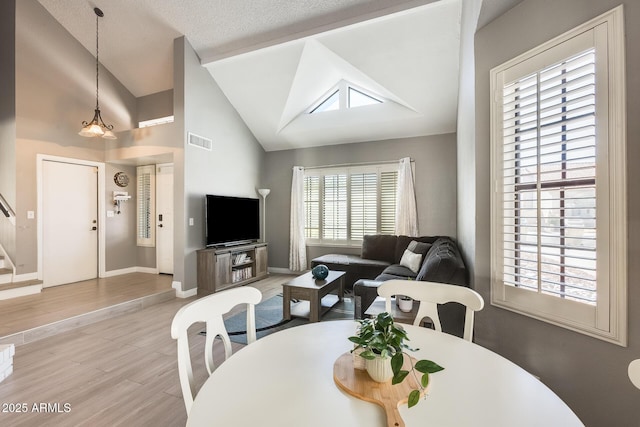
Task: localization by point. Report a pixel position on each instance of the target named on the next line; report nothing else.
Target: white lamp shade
(264, 192)
(91, 130)
(109, 135)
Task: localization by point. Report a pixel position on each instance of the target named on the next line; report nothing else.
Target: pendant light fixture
(96, 126)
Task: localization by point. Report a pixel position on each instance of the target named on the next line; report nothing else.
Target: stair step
(6, 275)
(19, 289)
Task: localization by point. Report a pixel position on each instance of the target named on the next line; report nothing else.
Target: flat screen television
(231, 220)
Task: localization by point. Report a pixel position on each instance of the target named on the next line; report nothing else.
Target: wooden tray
(358, 383)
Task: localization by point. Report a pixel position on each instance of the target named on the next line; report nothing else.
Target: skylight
(358, 98)
(343, 96)
(329, 104)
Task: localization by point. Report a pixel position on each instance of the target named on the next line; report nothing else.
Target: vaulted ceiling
(409, 58)
(273, 59)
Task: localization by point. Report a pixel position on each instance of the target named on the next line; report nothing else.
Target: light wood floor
(62, 302)
(120, 371)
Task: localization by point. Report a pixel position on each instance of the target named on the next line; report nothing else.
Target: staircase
(6, 274)
(11, 289)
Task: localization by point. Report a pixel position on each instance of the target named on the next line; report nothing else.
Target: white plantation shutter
(364, 204)
(334, 208)
(388, 191)
(549, 169)
(312, 207)
(146, 205)
(558, 168)
(347, 204)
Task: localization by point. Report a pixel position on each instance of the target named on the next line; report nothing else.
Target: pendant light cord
(97, 62)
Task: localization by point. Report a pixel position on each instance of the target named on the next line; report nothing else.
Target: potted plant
(381, 342)
(405, 303)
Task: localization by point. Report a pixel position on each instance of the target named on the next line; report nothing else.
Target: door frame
(173, 226)
(40, 158)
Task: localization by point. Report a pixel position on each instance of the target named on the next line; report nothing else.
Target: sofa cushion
(402, 243)
(443, 264)
(379, 247)
(411, 260)
(419, 247)
(396, 271)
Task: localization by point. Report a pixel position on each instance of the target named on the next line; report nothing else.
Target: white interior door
(164, 212)
(69, 222)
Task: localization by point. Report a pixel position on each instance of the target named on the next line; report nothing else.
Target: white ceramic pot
(405, 305)
(379, 369)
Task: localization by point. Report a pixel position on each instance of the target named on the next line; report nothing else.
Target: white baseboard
(130, 270)
(183, 294)
(150, 270)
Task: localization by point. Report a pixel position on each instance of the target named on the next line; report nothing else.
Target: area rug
(269, 318)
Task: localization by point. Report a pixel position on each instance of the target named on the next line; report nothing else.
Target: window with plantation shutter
(146, 205)
(342, 205)
(558, 164)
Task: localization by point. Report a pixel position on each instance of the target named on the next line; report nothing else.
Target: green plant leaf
(356, 340)
(414, 398)
(396, 362)
(399, 377)
(428, 367)
(424, 380)
(368, 354)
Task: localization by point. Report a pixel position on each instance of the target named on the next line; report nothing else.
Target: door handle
(94, 228)
(159, 225)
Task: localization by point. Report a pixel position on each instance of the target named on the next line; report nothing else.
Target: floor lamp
(264, 192)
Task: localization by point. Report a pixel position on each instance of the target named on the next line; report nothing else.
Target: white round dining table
(286, 379)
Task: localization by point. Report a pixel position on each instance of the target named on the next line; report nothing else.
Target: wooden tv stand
(227, 267)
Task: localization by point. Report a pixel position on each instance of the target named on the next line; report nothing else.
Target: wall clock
(121, 179)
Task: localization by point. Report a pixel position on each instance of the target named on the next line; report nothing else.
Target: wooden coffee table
(314, 291)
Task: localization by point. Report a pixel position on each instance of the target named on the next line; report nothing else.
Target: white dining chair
(430, 294)
(634, 372)
(210, 310)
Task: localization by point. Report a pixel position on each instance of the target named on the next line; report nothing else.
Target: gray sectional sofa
(382, 259)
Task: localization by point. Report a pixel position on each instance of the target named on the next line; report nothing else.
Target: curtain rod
(344, 165)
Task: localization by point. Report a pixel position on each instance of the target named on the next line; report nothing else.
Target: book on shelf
(239, 258)
(241, 274)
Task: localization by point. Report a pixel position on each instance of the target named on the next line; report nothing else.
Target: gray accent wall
(154, 106)
(590, 375)
(120, 233)
(435, 183)
(233, 166)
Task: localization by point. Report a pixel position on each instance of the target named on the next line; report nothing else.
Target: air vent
(200, 141)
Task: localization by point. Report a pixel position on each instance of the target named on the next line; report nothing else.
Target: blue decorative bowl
(320, 272)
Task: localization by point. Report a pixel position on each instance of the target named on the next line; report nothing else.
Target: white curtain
(297, 246)
(406, 209)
